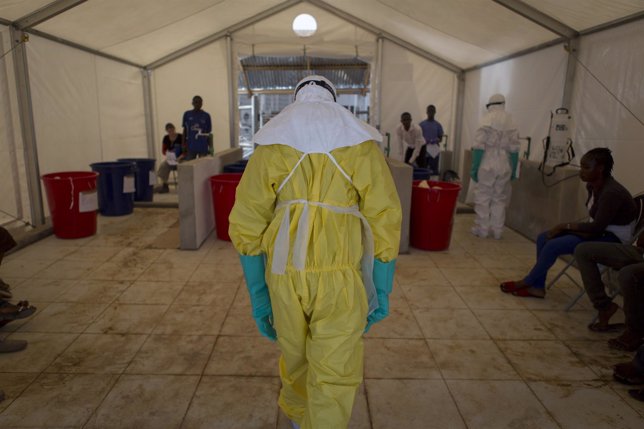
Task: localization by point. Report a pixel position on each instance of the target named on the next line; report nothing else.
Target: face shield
(496, 100)
(318, 81)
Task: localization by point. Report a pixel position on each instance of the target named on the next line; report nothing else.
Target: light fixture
(304, 25)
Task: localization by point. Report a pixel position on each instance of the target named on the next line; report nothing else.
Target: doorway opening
(266, 86)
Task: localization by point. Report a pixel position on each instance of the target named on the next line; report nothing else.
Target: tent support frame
(82, 48)
(220, 34)
(538, 17)
(27, 126)
(376, 101)
(572, 47)
(146, 80)
(45, 13)
(458, 122)
(398, 41)
(232, 92)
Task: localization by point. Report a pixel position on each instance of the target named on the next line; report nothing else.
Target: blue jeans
(548, 250)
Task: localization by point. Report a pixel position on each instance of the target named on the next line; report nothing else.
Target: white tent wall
(409, 84)
(203, 72)
(14, 203)
(86, 108)
(533, 87)
(615, 57)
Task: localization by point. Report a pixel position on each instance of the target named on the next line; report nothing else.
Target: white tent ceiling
(464, 33)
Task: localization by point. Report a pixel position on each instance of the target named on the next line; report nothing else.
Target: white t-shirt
(411, 138)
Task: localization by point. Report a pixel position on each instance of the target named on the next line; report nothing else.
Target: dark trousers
(630, 263)
(421, 161)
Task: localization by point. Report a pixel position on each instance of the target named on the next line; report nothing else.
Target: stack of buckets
(112, 187)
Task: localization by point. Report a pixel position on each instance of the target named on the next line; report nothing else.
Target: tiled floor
(130, 334)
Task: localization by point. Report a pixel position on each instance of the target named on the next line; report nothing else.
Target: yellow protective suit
(319, 312)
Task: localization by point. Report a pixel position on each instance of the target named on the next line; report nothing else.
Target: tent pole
(377, 102)
(232, 91)
(458, 127)
(81, 47)
(572, 47)
(46, 13)
(218, 35)
(538, 17)
(27, 125)
(12, 144)
(148, 109)
(394, 39)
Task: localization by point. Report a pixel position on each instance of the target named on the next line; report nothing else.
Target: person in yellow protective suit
(318, 208)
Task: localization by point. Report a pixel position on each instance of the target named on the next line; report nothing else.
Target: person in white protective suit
(317, 224)
(495, 157)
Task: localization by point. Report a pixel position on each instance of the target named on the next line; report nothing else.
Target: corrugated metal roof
(283, 73)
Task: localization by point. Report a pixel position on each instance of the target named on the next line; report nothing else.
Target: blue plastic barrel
(145, 177)
(116, 187)
(421, 173)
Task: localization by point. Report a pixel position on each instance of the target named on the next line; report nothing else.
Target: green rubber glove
(477, 156)
(514, 162)
(383, 280)
(254, 270)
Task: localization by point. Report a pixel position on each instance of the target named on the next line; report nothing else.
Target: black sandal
(9, 312)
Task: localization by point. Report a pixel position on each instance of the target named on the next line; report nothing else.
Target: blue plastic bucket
(116, 187)
(145, 177)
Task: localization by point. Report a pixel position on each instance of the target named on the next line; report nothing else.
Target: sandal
(603, 317)
(637, 394)
(11, 346)
(627, 342)
(626, 373)
(526, 293)
(609, 327)
(9, 312)
(509, 287)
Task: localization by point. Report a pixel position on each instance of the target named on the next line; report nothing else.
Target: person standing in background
(409, 138)
(433, 134)
(197, 127)
(495, 157)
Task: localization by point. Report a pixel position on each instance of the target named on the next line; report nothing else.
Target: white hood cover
(497, 118)
(314, 123)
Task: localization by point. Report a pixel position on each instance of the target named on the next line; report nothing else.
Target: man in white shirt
(410, 141)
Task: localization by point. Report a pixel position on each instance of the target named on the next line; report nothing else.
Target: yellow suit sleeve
(379, 201)
(254, 204)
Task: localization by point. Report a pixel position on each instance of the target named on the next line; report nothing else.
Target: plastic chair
(639, 229)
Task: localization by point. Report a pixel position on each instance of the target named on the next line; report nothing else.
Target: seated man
(8, 311)
(174, 151)
(629, 260)
(632, 373)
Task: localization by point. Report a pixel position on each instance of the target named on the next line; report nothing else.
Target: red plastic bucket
(73, 203)
(432, 215)
(223, 188)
